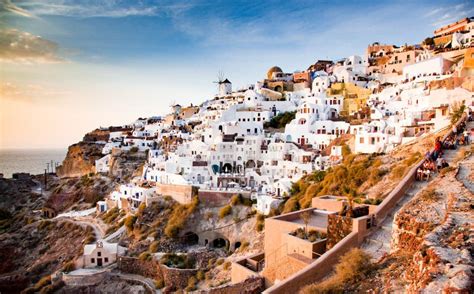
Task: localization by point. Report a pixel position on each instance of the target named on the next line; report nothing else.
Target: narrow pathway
(378, 242)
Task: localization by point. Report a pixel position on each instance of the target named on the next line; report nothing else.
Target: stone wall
(180, 193)
(147, 268)
(218, 198)
(175, 278)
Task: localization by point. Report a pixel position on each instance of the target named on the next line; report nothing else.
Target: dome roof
(272, 70)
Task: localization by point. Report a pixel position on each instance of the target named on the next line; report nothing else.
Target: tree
(428, 41)
(457, 109)
(306, 217)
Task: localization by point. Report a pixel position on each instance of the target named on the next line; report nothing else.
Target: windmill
(224, 86)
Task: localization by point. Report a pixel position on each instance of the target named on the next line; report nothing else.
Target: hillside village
(238, 194)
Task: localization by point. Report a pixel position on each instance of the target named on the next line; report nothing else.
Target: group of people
(430, 166)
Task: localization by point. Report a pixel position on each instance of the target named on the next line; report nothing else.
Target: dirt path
(378, 242)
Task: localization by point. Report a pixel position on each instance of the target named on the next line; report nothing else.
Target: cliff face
(126, 164)
(80, 160)
(435, 229)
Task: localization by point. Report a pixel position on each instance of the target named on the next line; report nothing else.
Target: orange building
(458, 26)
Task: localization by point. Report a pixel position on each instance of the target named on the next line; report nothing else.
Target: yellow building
(355, 97)
(468, 65)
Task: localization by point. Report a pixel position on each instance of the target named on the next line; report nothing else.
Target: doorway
(99, 261)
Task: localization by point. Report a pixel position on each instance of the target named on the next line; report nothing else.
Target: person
(455, 130)
(444, 163)
(437, 149)
(466, 136)
(439, 163)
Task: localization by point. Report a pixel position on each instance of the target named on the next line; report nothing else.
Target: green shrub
(178, 261)
(280, 120)
(134, 149)
(225, 211)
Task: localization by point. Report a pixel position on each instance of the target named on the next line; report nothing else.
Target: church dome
(272, 70)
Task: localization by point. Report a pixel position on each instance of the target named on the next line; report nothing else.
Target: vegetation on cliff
(281, 120)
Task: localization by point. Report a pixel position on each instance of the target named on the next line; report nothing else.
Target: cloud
(22, 47)
(6, 6)
(449, 14)
(28, 93)
(101, 8)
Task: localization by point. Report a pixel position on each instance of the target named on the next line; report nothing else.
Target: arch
(227, 168)
(215, 168)
(239, 168)
(250, 164)
(288, 138)
(237, 245)
(219, 243)
(278, 88)
(190, 238)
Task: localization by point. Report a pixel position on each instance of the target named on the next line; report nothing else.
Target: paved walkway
(378, 242)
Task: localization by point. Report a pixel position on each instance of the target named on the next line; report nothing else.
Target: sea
(33, 161)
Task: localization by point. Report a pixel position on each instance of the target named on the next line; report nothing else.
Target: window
(99, 253)
(362, 140)
(106, 259)
(92, 260)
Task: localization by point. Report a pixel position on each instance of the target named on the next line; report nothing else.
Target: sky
(70, 66)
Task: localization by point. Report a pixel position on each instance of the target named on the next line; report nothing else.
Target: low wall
(392, 199)
(317, 270)
(147, 268)
(239, 272)
(85, 279)
(176, 278)
(218, 198)
(181, 193)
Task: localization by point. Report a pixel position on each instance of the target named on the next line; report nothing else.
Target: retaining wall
(181, 193)
(318, 269)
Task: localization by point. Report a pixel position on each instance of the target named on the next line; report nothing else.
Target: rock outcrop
(80, 160)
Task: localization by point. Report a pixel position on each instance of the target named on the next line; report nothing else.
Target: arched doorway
(227, 168)
(190, 238)
(237, 245)
(219, 243)
(250, 164)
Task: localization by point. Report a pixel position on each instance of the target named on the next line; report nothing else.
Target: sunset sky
(67, 67)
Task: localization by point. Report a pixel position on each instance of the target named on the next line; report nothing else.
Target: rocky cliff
(80, 160)
(435, 229)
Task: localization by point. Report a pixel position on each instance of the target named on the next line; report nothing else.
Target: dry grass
(179, 217)
(353, 266)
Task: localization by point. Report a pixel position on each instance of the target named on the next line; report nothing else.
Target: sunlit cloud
(28, 93)
(6, 6)
(22, 47)
(102, 8)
